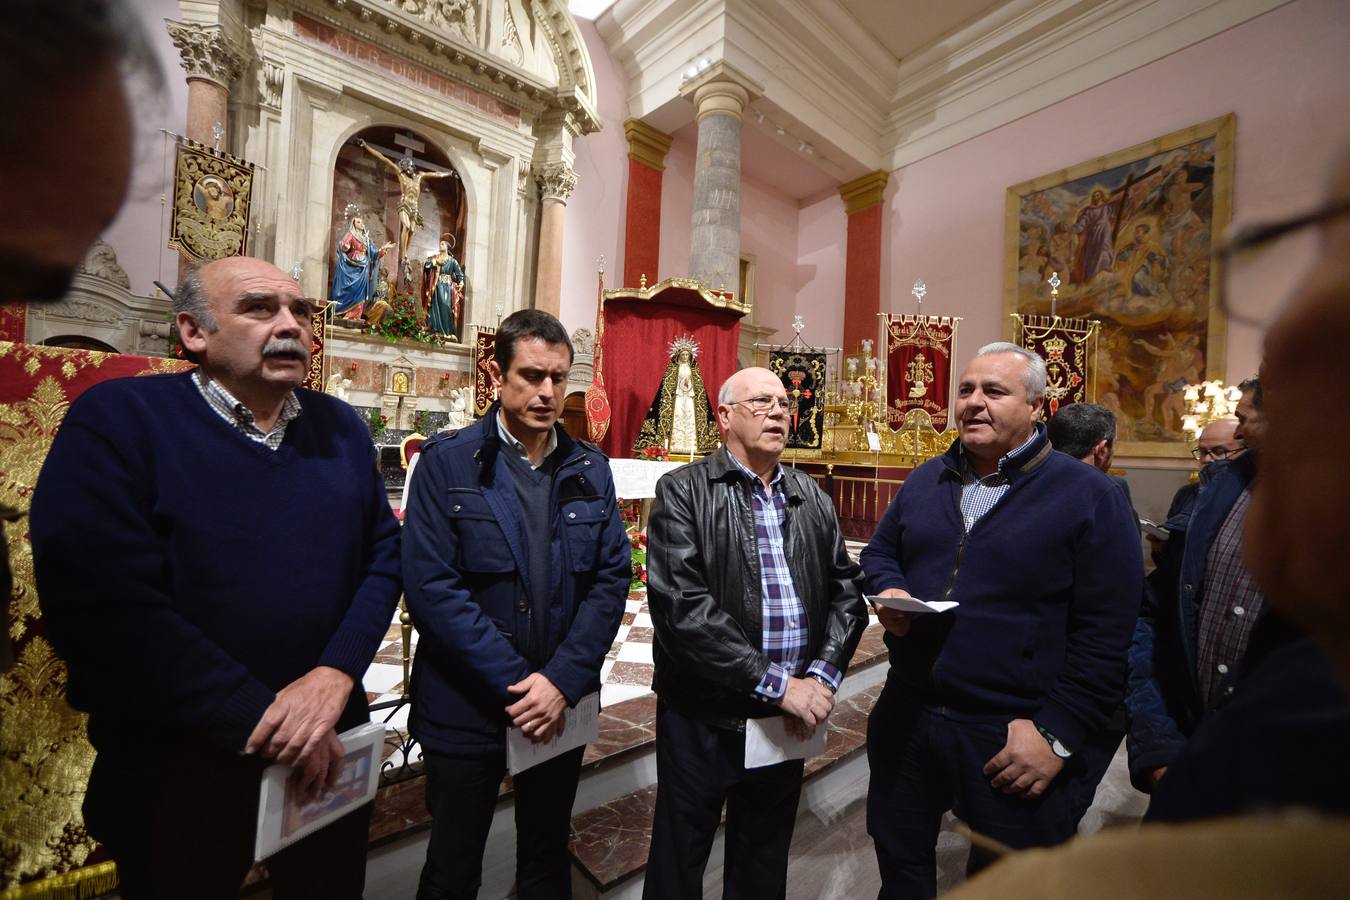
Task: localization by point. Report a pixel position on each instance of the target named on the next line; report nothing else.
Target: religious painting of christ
(1131, 237)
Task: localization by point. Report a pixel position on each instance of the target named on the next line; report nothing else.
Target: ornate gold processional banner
(211, 192)
(919, 354)
(318, 330)
(484, 346)
(1069, 348)
(803, 375)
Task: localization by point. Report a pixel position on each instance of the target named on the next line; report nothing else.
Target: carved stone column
(555, 186)
(212, 63)
(721, 94)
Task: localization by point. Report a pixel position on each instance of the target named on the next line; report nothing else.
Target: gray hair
(724, 392)
(191, 298)
(1034, 375)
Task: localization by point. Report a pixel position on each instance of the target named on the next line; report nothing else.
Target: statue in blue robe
(354, 269)
(443, 290)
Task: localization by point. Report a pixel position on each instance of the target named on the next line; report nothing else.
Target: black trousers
(698, 767)
(924, 762)
(184, 825)
(461, 797)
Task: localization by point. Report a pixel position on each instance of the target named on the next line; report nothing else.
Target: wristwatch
(1055, 746)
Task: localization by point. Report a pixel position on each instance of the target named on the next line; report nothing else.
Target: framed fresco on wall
(1132, 236)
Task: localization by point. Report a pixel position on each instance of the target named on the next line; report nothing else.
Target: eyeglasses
(764, 404)
(1216, 452)
(1246, 239)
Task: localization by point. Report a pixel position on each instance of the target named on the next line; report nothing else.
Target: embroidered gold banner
(211, 192)
(1069, 348)
(803, 375)
(919, 353)
(484, 346)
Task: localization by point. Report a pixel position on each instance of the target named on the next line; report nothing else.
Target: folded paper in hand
(767, 742)
(914, 604)
(581, 725)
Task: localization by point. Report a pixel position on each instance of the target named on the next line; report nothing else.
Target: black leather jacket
(705, 595)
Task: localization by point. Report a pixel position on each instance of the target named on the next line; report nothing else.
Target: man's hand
(302, 716)
(1156, 776)
(798, 729)
(894, 621)
(1026, 765)
(808, 700)
(321, 768)
(539, 714)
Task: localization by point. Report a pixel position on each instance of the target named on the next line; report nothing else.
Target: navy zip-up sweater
(187, 573)
(1049, 582)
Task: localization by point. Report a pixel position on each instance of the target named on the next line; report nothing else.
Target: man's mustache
(285, 347)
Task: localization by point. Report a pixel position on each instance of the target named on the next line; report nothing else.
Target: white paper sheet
(581, 725)
(914, 604)
(635, 479)
(768, 743)
(285, 815)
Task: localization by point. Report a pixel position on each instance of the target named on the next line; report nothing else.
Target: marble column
(212, 63)
(862, 262)
(721, 95)
(555, 186)
(647, 149)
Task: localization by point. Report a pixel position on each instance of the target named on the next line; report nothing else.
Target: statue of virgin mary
(355, 267)
(680, 419)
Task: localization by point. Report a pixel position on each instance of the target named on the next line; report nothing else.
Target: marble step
(610, 842)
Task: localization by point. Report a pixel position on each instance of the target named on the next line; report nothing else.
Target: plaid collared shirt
(979, 495)
(785, 631)
(240, 417)
(1229, 606)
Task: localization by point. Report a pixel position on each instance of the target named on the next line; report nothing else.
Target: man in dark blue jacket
(991, 709)
(1194, 630)
(516, 568)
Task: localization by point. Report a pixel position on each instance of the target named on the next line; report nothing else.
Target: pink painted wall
(593, 222)
(677, 202)
(1285, 76)
(819, 276)
(769, 239)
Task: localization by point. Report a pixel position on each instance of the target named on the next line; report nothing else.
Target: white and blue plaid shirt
(979, 495)
(785, 628)
(240, 417)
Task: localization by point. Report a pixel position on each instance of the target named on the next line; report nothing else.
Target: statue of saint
(354, 268)
(410, 184)
(680, 419)
(443, 290)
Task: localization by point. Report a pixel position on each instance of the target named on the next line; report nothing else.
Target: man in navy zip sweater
(217, 564)
(517, 567)
(990, 709)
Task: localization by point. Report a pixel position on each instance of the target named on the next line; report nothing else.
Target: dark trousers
(924, 763)
(697, 768)
(184, 825)
(461, 797)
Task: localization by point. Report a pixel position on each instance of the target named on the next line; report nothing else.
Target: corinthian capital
(205, 52)
(556, 182)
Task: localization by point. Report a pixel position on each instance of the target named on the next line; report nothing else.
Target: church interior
(856, 194)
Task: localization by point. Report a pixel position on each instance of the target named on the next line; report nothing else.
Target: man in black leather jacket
(757, 610)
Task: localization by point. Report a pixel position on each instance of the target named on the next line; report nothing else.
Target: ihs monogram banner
(211, 193)
(484, 346)
(919, 354)
(1069, 348)
(803, 375)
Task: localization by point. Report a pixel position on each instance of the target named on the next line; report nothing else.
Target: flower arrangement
(401, 321)
(654, 454)
(378, 423)
(637, 540)
(422, 423)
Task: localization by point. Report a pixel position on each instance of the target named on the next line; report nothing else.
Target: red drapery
(637, 334)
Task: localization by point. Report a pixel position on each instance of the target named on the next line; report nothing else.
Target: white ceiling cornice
(830, 83)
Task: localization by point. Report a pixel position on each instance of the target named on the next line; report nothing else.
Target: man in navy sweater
(217, 564)
(990, 709)
(517, 569)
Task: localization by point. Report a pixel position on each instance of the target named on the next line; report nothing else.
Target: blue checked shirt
(785, 630)
(240, 417)
(979, 495)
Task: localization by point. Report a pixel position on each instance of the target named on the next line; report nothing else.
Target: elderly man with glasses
(1202, 604)
(757, 609)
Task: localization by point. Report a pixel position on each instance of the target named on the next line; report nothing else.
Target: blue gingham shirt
(785, 631)
(240, 417)
(979, 495)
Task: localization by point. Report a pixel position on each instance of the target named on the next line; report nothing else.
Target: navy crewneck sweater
(187, 573)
